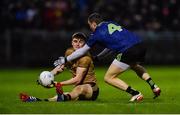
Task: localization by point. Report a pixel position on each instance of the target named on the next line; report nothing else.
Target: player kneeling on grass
(84, 79)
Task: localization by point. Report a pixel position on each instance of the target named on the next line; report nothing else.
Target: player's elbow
(77, 81)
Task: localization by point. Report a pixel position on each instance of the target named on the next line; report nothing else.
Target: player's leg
(135, 55)
(85, 91)
(26, 98)
(52, 98)
(142, 73)
(111, 77)
(61, 96)
(81, 92)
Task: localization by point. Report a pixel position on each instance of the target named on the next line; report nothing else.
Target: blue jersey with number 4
(112, 36)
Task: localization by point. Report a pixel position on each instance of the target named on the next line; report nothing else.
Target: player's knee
(82, 89)
(108, 78)
(79, 89)
(85, 89)
(105, 79)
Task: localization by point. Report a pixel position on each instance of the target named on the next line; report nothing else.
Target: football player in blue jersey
(131, 53)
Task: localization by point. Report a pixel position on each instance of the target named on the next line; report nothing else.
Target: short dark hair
(79, 35)
(95, 17)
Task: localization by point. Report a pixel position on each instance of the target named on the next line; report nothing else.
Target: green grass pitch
(110, 100)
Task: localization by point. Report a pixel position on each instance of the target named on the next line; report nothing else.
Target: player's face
(92, 25)
(77, 43)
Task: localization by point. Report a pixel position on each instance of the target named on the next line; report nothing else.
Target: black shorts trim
(135, 54)
(95, 95)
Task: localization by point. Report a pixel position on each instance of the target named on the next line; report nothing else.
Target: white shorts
(121, 65)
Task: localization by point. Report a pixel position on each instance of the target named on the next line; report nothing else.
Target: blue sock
(60, 97)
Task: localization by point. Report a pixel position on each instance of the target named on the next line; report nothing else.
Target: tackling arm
(104, 53)
(78, 53)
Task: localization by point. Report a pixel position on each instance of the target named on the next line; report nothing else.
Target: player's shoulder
(69, 51)
(105, 23)
(101, 29)
(84, 61)
(86, 58)
(102, 24)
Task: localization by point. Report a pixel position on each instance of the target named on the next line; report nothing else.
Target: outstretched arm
(78, 53)
(104, 54)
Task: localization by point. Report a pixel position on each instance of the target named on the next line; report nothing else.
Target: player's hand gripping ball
(46, 79)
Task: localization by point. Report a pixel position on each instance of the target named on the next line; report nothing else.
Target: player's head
(78, 40)
(93, 20)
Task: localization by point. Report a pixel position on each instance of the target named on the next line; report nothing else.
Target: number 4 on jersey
(112, 28)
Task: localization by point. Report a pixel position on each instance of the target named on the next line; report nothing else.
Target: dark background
(34, 33)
